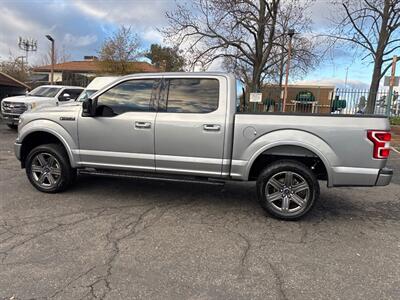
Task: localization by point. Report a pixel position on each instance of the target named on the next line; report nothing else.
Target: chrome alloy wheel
(287, 192)
(46, 170)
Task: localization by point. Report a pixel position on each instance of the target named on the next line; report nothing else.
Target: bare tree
(60, 56)
(240, 31)
(15, 67)
(118, 51)
(293, 15)
(374, 27)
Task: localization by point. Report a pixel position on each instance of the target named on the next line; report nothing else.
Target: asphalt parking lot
(113, 238)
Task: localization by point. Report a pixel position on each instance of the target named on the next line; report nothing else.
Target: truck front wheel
(287, 189)
(48, 168)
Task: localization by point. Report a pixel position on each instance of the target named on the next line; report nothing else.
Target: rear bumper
(350, 176)
(384, 177)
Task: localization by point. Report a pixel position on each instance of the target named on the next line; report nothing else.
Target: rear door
(190, 126)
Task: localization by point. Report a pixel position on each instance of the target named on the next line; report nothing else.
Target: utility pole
(391, 85)
(52, 58)
(22, 61)
(28, 45)
(345, 80)
(285, 95)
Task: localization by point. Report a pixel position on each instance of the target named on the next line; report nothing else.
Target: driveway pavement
(117, 239)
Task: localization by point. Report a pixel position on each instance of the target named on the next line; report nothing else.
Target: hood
(68, 107)
(73, 103)
(52, 113)
(27, 99)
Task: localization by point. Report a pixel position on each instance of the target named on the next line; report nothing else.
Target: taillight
(381, 141)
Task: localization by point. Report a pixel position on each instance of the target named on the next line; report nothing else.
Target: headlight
(30, 106)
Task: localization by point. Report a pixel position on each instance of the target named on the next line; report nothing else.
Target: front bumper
(17, 150)
(11, 118)
(384, 177)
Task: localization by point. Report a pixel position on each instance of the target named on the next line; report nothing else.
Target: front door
(190, 126)
(121, 135)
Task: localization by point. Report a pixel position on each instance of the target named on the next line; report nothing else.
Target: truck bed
(340, 141)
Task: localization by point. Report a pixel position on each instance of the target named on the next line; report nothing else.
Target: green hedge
(395, 121)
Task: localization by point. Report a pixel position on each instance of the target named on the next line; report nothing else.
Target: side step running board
(150, 176)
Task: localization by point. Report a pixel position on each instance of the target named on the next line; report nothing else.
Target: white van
(95, 85)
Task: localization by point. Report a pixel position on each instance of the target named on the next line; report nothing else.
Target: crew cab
(45, 95)
(185, 126)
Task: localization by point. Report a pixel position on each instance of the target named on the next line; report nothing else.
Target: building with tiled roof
(86, 68)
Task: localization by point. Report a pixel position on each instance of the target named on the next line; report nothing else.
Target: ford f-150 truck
(185, 126)
(45, 95)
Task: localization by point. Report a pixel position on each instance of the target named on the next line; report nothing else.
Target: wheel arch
(45, 132)
(289, 152)
(290, 144)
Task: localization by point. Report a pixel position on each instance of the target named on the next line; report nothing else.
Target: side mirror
(65, 97)
(88, 108)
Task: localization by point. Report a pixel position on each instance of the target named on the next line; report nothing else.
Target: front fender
(289, 137)
(55, 129)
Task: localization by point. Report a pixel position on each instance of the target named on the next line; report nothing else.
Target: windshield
(85, 95)
(43, 91)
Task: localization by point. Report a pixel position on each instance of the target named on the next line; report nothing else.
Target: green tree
(119, 51)
(166, 58)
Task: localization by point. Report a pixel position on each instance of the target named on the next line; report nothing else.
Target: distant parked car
(95, 85)
(45, 95)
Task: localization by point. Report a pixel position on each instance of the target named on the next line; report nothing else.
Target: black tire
(66, 175)
(279, 190)
(12, 126)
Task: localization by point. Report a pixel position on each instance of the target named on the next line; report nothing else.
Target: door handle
(142, 125)
(211, 127)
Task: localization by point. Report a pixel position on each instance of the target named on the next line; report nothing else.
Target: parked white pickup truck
(45, 95)
(185, 126)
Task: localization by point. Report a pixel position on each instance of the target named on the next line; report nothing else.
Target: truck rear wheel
(48, 168)
(287, 189)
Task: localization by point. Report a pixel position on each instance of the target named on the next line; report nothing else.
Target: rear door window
(192, 95)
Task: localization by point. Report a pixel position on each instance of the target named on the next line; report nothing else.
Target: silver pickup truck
(185, 126)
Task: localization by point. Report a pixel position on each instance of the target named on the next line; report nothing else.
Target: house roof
(91, 66)
(8, 80)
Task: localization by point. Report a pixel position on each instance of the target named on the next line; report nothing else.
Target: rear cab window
(192, 95)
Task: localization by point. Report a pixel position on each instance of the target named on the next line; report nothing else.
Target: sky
(80, 26)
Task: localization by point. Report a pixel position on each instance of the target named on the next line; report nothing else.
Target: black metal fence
(353, 101)
(329, 101)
